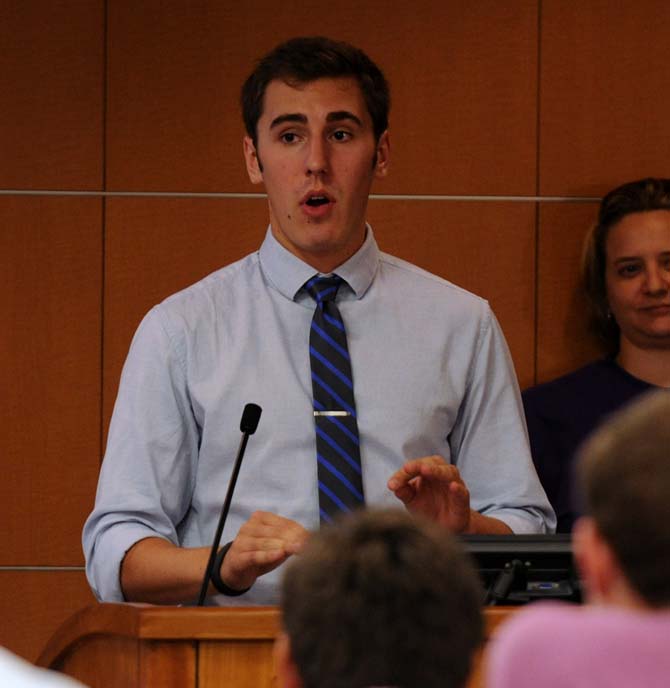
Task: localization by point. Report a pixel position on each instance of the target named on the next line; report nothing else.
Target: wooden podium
(137, 646)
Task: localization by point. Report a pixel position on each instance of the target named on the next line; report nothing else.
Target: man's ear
(382, 157)
(287, 672)
(597, 565)
(253, 163)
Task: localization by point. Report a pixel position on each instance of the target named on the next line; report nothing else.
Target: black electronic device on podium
(517, 569)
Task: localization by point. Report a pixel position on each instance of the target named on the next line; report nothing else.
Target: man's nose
(317, 157)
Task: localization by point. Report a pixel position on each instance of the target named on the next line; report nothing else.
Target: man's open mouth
(316, 201)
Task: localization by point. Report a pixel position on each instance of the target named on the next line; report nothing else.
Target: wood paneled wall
(121, 181)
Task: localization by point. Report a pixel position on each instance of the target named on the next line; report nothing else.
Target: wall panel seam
(103, 226)
(4, 569)
(538, 162)
(374, 197)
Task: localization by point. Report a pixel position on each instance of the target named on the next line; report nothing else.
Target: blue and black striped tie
(337, 446)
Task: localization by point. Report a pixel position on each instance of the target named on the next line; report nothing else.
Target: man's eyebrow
(339, 115)
(290, 117)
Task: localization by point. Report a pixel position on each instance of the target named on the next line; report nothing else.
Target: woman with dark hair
(626, 280)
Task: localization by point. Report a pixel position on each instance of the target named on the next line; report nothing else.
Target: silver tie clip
(332, 413)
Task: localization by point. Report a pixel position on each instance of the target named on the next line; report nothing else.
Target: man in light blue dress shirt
(439, 416)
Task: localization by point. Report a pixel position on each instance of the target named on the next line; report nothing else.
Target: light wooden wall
(507, 115)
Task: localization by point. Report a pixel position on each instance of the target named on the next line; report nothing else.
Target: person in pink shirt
(622, 547)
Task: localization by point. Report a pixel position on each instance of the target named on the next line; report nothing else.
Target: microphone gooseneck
(250, 417)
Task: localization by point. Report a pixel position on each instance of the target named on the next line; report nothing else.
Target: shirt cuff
(105, 569)
(525, 522)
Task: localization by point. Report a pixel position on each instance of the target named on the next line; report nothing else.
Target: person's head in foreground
(622, 545)
(381, 598)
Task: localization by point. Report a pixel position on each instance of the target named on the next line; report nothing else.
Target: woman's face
(637, 277)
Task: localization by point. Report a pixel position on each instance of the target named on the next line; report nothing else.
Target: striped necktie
(337, 446)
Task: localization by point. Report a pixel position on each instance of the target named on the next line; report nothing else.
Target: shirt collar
(287, 273)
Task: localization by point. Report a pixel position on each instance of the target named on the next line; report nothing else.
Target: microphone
(250, 417)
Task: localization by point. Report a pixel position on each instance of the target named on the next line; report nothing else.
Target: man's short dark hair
(382, 599)
(624, 474)
(303, 60)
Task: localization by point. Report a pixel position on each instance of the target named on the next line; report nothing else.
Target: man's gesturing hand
(264, 542)
(434, 488)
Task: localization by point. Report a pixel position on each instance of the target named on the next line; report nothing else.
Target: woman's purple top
(561, 414)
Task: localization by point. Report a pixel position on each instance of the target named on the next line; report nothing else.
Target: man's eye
(341, 135)
(288, 137)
